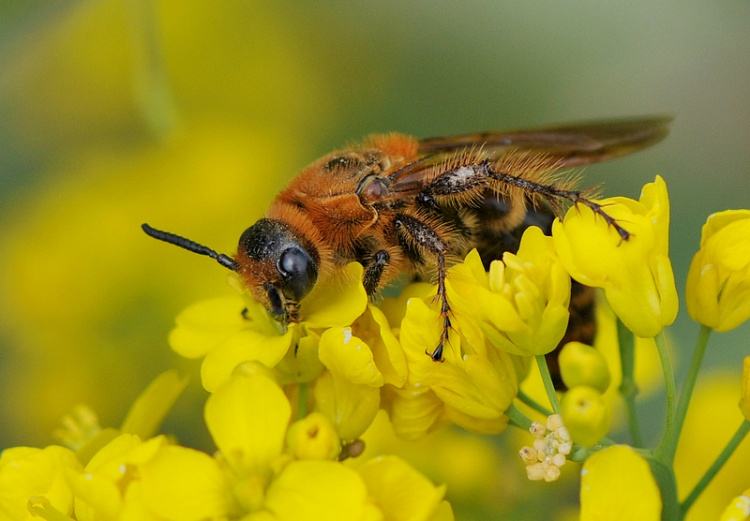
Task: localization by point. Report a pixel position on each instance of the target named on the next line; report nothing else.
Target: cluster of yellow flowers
(289, 405)
(265, 469)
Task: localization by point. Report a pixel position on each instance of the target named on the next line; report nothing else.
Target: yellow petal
(206, 324)
(386, 350)
(315, 490)
(247, 417)
(399, 491)
(338, 301)
(96, 496)
(149, 409)
(348, 357)
(301, 364)
(244, 346)
(185, 484)
(414, 410)
(617, 484)
(350, 407)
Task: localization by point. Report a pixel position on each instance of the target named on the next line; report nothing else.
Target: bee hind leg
(552, 193)
(413, 231)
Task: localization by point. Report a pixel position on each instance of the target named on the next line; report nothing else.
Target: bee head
(274, 263)
(277, 266)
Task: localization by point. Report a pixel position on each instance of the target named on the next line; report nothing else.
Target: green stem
(518, 418)
(670, 445)
(548, 385)
(628, 388)
(528, 400)
(671, 392)
(152, 92)
(716, 466)
(302, 398)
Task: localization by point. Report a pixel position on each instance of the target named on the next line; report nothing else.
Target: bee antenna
(187, 244)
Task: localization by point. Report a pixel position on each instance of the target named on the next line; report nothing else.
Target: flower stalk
(670, 389)
(549, 387)
(670, 446)
(628, 387)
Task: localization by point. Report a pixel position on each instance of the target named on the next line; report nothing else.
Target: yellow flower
(745, 393)
(738, 509)
(348, 393)
(27, 472)
(616, 483)
(636, 274)
(219, 330)
(718, 283)
(476, 382)
(522, 303)
(587, 416)
(581, 364)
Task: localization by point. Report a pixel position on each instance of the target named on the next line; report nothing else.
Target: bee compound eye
(298, 270)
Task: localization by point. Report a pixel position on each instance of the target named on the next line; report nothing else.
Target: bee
(403, 206)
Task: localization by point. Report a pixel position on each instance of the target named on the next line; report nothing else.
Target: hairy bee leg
(424, 237)
(374, 271)
(550, 191)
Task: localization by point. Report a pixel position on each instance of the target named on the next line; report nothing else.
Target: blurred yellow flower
(616, 483)
(745, 392)
(636, 274)
(522, 303)
(738, 509)
(586, 414)
(402, 493)
(714, 405)
(27, 472)
(718, 283)
(476, 382)
(232, 330)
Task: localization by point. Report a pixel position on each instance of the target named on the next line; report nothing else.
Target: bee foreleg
(425, 238)
(552, 192)
(374, 271)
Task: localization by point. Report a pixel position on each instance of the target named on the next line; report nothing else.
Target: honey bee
(403, 206)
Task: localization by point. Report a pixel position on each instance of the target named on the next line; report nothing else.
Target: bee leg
(437, 353)
(374, 271)
(413, 231)
(553, 192)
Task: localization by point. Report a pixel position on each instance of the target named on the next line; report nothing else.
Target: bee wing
(564, 146)
(573, 145)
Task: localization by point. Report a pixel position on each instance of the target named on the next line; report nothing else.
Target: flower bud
(586, 415)
(745, 392)
(581, 364)
(718, 283)
(313, 437)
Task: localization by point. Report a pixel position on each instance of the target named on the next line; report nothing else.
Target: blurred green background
(191, 115)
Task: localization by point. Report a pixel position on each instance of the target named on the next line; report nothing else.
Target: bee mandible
(402, 206)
